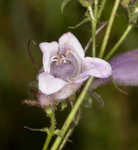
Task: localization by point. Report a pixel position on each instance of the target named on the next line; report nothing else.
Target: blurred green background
(113, 127)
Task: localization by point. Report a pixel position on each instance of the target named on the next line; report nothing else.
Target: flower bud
(86, 3)
(132, 9)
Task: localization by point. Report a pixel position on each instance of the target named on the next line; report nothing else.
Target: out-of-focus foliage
(113, 127)
(64, 3)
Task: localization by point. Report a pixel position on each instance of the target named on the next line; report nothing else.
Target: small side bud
(132, 8)
(64, 105)
(133, 14)
(86, 3)
(125, 3)
(49, 111)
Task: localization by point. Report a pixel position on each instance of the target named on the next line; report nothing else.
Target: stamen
(67, 52)
(60, 61)
(54, 59)
(64, 59)
(69, 80)
(60, 58)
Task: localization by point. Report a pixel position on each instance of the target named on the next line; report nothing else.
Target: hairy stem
(70, 130)
(51, 131)
(108, 30)
(72, 115)
(122, 38)
(68, 134)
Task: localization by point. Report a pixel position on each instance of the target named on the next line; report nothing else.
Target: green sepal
(49, 111)
(88, 102)
(64, 105)
(116, 86)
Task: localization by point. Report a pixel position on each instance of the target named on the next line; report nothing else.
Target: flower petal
(46, 100)
(67, 91)
(95, 67)
(70, 42)
(48, 84)
(125, 70)
(48, 50)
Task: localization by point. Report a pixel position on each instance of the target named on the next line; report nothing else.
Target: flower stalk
(109, 27)
(101, 9)
(122, 38)
(94, 23)
(97, 32)
(51, 114)
(70, 130)
(93, 17)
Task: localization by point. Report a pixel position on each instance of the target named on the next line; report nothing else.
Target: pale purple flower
(124, 70)
(65, 68)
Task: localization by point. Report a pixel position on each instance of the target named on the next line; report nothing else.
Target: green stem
(97, 31)
(91, 13)
(70, 130)
(108, 30)
(101, 8)
(93, 25)
(72, 115)
(51, 131)
(66, 138)
(113, 50)
(95, 8)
